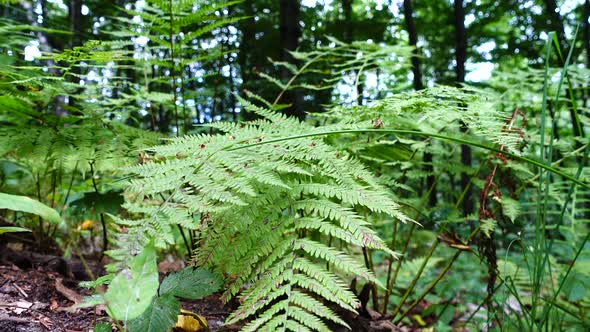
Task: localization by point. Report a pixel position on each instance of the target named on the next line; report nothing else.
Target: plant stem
(433, 284)
(105, 239)
(417, 277)
(419, 133)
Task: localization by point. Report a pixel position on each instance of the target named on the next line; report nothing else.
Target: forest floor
(38, 293)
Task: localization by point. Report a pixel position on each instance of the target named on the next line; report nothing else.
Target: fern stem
(541, 199)
(434, 244)
(41, 231)
(437, 280)
(387, 283)
(391, 282)
(419, 133)
(486, 300)
(562, 283)
(369, 266)
(307, 64)
(188, 249)
(399, 264)
(70, 187)
(105, 239)
(416, 277)
(549, 248)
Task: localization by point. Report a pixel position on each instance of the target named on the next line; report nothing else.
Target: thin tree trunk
(349, 37)
(75, 14)
(247, 59)
(348, 28)
(418, 85)
(461, 58)
(290, 32)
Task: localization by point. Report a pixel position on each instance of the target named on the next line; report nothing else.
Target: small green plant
(137, 299)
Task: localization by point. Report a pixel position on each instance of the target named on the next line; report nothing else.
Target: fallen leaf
(170, 265)
(68, 293)
(46, 322)
(191, 322)
(21, 306)
(87, 224)
(54, 306)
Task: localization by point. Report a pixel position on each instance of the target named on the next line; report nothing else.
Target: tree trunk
(75, 14)
(461, 58)
(290, 32)
(418, 85)
(348, 28)
(247, 59)
(348, 37)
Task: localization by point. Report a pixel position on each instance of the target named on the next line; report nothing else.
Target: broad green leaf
(103, 327)
(25, 204)
(9, 229)
(160, 316)
(131, 291)
(190, 283)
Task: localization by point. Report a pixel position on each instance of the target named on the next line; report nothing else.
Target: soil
(38, 292)
(37, 297)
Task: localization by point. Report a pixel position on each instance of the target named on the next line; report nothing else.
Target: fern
(263, 212)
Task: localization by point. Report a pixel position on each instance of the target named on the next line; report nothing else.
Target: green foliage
(262, 210)
(160, 316)
(288, 211)
(130, 293)
(9, 229)
(102, 327)
(187, 283)
(28, 205)
(190, 284)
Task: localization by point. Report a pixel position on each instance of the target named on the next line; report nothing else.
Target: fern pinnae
(256, 204)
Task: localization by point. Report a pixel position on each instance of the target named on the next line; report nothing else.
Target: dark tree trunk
(461, 58)
(247, 59)
(556, 22)
(348, 37)
(460, 41)
(75, 14)
(413, 36)
(290, 32)
(348, 28)
(418, 85)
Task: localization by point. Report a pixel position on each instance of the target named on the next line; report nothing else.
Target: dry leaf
(68, 293)
(191, 322)
(21, 306)
(54, 306)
